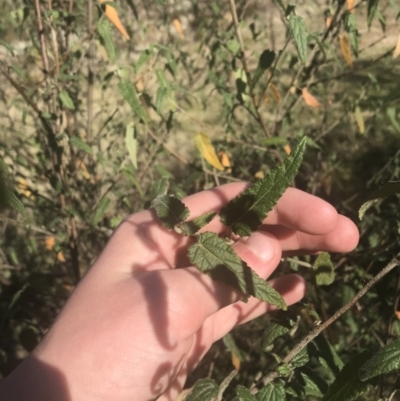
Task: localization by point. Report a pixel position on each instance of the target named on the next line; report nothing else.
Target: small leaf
(81, 144)
(359, 120)
(275, 93)
(61, 257)
(161, 94)
(310, 99)
(384, 361)
(391, 188)
(323, 269)
(128, 91)
(12, 200)
(327, 353)
(301, 358)
(112, 14)
(203, 390)
(273, 331)
(178, 27)
(191, 227)
(284, 370)
(131, 143)
(233, 46)
(231, 346)
(243, 394)
(212, 255)
(347, 386)
(206, 149)
(104, 30)
(66, 100)
(313, 384)
(391, 113)
(345, 49)
(396, 52)
(265, 61)
(100, 210)
(273, 391)
(49, 242)
(298, 29)
(246, 212)
(170, 210)
(224, 159)
(372, 8)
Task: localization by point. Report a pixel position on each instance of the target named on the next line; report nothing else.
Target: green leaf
(100, 210)
(128, 91)
(170, 210)
(161, 94)
(274, 391)
(243, 394)
(274, 141)
(191, 227)
(312, 384)
(273, 331)
(372, 8)
(15, 203)
(326, 352)
(247, 211)
(131, 143)
(212, 255)
(300, 358)
(323, 269)
(391, 113)
(391, 188)
(231, 346)
(233, 45)
(105, 31)
(66, 100)
(284, 370)
(347, 386)
(161, 186)
(265, 61)
(384, 361)
(203, 390)
(299, 32)
(81, 144)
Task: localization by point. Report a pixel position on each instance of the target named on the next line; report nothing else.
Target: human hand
(142, 317)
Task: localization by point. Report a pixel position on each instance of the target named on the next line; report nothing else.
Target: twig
(245, 67)
(42, 38)
(27, 226)
(319, 329)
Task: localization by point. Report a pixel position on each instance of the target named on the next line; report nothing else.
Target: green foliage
(323, 269)
(170, 210)
(192, 226)
(299, 32)
(203, 390)
(273, 391)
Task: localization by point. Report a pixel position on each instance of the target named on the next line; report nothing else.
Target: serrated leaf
(359, 120)
(104, 30)
(301, 358)
(323, 269)
(128, 91)
(273, 331)
(212, 255)
(391, 188)
(170, 210)
(203, 390)
(347, 386)
(299, 32)
(66, 100)
(284, 370)
(246, 212)
(206, 149)
(273, 391)
(243, 394)
(131, 143)
(81, 144)
(313, 384)
(191, 227)
(384, 361)
(100, 210)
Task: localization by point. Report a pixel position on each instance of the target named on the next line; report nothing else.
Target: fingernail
(262, 246)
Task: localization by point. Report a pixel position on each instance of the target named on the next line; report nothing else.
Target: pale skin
(142, 318)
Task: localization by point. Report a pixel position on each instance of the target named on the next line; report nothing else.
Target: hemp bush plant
(108, 106)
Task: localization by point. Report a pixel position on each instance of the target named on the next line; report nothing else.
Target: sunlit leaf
(391, 188)
(66, 100)
(384, 361)
(246, 212)
(299, 32)
(191, 227)
(273, 391)
(81, 144)
(207, 150)
(203, 390)
(233, 45)
(112, 14)
(323, 269)
(131, 143)
(359, 120)
(347, 386)
(170, 210)
(128, 91)
(212, 255)
(345, 49)
(100, 210)
(309, 99)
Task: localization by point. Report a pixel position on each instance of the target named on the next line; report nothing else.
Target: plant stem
(42, 39)
(319, 329)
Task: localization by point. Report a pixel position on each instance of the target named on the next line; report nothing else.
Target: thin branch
(319, 329)
(42, 38)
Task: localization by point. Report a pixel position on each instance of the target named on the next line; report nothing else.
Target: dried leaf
(310, 99)
(206, 149)
(178, 27)
(396, 52)
(287, 149)
(112, 15)
(328, 21)
(61, 257)
(235, 362)
(345, 49)
(350, 5)
(359, 120)
(49, 242)
(275, 93)
(259, 174)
